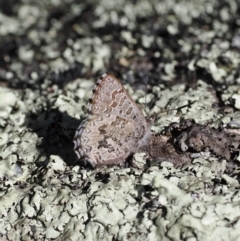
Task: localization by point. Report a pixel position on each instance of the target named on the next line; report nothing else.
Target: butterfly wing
(108, 139)
(115, 128)
(109, 96)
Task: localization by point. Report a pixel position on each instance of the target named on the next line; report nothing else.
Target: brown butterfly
(115, 128)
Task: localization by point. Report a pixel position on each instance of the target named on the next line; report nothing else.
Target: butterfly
(116, 127)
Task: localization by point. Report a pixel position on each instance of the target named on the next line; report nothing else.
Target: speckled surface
(51, 54)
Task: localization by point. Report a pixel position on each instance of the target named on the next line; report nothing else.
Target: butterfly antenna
(180, 107)
(177, 108)
(155, 115)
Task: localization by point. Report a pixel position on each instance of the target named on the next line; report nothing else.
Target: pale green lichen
(43, 194)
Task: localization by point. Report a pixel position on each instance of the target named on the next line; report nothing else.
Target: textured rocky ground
(51, 54)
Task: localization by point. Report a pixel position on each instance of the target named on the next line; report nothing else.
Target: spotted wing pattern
(115, 128)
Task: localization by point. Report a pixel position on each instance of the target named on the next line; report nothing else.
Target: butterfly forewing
(110, 97)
